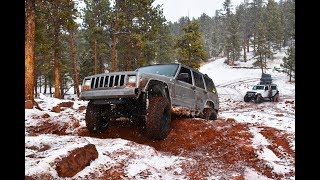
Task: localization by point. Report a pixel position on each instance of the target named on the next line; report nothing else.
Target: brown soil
(77, 160)
(218, 148)
(222, 144)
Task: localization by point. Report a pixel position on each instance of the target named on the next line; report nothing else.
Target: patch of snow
(261, 144)
(250, 173)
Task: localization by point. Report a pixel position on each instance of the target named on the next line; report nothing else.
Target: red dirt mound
(77, 160)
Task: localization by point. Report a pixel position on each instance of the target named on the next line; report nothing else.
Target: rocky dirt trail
(220, 149)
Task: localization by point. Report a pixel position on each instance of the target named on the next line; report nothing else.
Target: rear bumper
(109, 93)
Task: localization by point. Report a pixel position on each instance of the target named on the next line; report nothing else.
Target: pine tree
(274, 25)
(256, 11)
(234, 38)
(191, 49)
(206, 30)
(262, 46)
(97, 20)
(165, 52)
(140, 24)
(242, 14)
(288, 64)
(288, 10)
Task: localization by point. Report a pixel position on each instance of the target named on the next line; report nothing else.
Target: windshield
(161, 69)
(258, 88)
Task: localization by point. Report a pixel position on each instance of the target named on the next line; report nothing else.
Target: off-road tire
(158, 118)
(259, 98)
(246, 98)
(275, 98)
(209, 114)
(97, 120)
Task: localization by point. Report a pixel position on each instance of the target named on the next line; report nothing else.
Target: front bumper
(129, 92)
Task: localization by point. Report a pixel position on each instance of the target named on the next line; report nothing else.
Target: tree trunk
(244, 51)
(29, 49)
(75, 71)
(50, 87)
(45, 85)
(35, 87)
(128, 68)
(114, 47)
(61, 90)
(248, 44)
(265, 61)
(114, 53)
(40, 83)
(95, 57)
(56, 62)
(227, 53)
(290, 75)
(254, 43)
(261, 62)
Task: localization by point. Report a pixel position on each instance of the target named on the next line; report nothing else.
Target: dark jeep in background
(149, 95)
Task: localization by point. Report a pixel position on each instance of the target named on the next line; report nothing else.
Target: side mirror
(183, 76)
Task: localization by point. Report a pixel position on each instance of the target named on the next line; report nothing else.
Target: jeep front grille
(108, 81)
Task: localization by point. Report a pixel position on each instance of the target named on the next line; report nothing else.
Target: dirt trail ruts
(218, 147)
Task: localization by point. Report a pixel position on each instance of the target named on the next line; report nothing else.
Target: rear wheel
(209, 114)
(97, 117)
(158, 118)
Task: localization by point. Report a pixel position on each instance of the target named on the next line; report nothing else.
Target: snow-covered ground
(50, 135)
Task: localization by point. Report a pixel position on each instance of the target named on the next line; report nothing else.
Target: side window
(198, 80)
(185, 70)
(274, 87)
(209, 83)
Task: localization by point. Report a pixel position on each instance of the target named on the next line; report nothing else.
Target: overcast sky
(174, 9)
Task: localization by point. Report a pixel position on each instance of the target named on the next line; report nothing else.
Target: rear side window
(185, 70)
(209, 83)
(198, 80)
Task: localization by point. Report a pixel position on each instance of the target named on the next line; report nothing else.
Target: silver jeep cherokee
(149, 95)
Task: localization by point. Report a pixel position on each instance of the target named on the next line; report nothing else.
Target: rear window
(209, 83)
(198, 80)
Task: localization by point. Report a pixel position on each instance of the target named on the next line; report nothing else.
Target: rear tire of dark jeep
(158, 118)
(259, 98)
(209, 114)
(246, 98)
(275, 98)
(96, 118)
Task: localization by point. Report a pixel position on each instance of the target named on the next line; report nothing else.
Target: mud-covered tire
(158, 118)
(259, 98)
(209, 114)
(96, 118)
(275, 98)
(246, 98)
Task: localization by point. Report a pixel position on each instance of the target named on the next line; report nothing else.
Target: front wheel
(158, 118)
(96, 117)
(246, 98)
